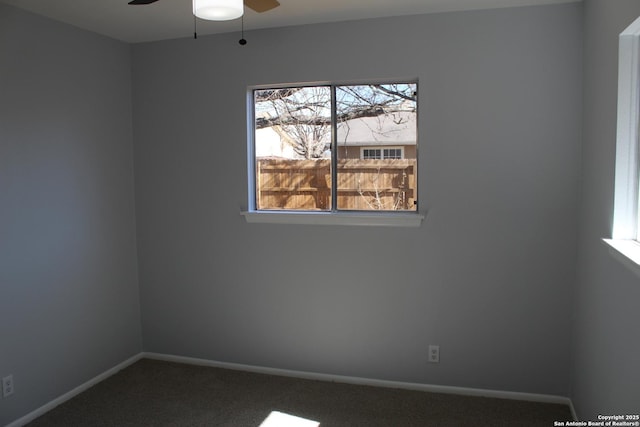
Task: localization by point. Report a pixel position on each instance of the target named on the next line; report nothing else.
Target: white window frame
(624, 244)
(382, 148)
(352, 218)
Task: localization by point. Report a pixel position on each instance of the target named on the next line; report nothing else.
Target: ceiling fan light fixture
(218, 10)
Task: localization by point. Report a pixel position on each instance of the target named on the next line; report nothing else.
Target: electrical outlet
(434, 354)
(7, 386)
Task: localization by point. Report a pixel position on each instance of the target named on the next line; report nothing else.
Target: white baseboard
(70, 394)
(512, 395)
(464, 391)
(574, 414)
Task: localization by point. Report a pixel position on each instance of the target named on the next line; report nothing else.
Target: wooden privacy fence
(362, 184)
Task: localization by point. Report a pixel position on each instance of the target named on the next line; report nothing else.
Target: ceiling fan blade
(142, 1)
(261, 5)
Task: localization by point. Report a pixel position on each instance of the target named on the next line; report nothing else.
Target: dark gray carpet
(155, 393)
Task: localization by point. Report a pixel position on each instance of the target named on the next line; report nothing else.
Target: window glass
(370, 153)
(376, 115)
(368, 133)
(293, 148)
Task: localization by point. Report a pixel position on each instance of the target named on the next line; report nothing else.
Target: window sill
(334, 218)
(627, 252)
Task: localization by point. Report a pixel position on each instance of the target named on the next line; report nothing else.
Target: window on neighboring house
(381, 153)
(371, 154)
(392, 153)
(335, 148)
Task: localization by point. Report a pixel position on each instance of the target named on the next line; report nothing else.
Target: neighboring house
(273, 142)
(389, 136)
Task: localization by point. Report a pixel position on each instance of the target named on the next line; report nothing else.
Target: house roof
(398, 129)
(386, 130)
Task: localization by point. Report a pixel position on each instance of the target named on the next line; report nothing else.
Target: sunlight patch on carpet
(280, 419)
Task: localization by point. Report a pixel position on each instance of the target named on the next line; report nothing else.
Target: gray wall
(69, 301)
(606, 371)
(488, 276)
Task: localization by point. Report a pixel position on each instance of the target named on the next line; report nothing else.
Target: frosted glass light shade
(218, 10)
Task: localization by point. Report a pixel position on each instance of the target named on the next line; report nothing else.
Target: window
(392, 153)
(381, 153)
(625, 232)
(371, 154)
(334, 148)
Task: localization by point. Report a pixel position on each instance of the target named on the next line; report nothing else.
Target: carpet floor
(157, 393)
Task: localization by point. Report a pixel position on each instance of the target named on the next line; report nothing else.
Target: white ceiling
(168, 19)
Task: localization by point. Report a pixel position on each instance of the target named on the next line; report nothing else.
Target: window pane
(392, 153)
(293, 148)
(370, 116)
(370, 154)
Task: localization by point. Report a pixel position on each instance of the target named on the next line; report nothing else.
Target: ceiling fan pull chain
(195, 28)
(242, 41)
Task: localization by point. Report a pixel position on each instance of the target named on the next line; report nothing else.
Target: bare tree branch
(304, 113)
(373, 111)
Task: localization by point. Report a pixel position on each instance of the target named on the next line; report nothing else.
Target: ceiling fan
(255, 5)
(222, 10)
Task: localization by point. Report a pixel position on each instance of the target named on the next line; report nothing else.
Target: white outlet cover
(7, 386)
(434, 353)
